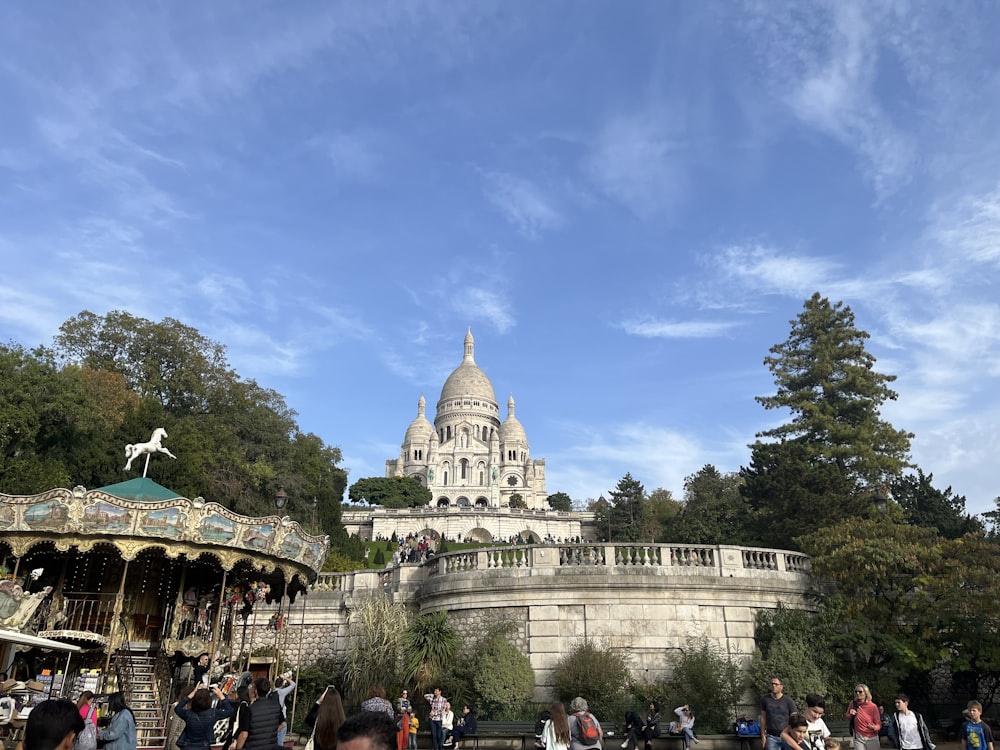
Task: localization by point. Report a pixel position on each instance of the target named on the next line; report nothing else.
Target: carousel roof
(142, 489)
(140, 514)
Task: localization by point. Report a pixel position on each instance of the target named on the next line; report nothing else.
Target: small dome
(420, 429)
(468, 381)
(511, 430)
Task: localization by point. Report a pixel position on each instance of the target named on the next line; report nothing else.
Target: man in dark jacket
(265, 716)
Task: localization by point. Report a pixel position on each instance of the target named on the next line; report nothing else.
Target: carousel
(133, 572)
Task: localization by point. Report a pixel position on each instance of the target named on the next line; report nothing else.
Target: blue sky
(628, 202)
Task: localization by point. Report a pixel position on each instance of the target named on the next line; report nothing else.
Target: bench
(518, 731)
(515, 730)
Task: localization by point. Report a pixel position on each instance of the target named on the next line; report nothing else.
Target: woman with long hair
(555, 733)
(87, 739)
(120, 734)
(325, 717)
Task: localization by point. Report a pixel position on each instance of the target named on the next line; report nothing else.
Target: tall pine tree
(827, 462)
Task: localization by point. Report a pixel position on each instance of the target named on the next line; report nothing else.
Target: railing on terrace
(713, 560)
(90, 612)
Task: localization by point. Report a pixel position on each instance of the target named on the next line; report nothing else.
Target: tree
(796, 644)
(714, 511)
(659, 515)
(841, 448)
(560, 501)
(930, 507)
(390, 492)
(625, 510)
(429, 645)
(516, 500)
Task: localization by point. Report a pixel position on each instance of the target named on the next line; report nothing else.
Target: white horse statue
(132, 452)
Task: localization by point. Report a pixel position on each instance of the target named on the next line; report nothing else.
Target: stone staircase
(145, 704)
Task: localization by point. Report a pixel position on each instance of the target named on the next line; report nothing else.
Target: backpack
(590, 731)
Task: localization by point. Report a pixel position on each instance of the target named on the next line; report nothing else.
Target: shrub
(379, 560)
(503, 679)
(708, 680)
(599, 674)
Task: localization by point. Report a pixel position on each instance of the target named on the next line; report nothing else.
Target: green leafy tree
(925, 505)
(516, 500)
(598, 673)
(503, 679)
(836, 441)
(390, 492)
(660, 513)
(560, 501)
(429, 645)
(714, 512)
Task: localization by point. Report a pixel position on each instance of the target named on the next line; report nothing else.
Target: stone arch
(463, 501)
(443, 502)
(530, 537)
(478, 534)
(482, 502)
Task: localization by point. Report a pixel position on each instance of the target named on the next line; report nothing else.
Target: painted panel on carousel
(109, 518)
(164, 522)
(49, 515)
(7, 517)
(259, 536)
(291, 545)
(217, 528)
(312, 554)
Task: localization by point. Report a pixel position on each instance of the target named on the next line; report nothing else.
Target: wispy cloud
(521, 203)
(973, 228)
(669, 329)
(586, 466)
(480, 303)
(635, 162)
(355, 156)
(823, 63)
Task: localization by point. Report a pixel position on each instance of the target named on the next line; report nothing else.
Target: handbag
(310, 745)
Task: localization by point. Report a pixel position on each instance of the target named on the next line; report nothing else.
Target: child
(975, 734)
(798, 729)
(831, 744)
(414, 725)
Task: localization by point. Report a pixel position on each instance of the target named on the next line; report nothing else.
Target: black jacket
(925, 735)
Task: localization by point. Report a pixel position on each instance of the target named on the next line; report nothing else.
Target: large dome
(468, 381)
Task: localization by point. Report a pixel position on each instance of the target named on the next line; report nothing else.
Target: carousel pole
(218, 617)
(298, 663)
(277, 628)
(119, 601)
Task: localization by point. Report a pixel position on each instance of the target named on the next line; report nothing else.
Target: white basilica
(468, 457)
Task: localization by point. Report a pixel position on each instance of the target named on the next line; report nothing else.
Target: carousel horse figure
(132, 452)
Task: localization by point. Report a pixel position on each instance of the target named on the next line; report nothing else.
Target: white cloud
(668, 329)
(823, 63)
(521, 203)
(479, 303)
(973, 228)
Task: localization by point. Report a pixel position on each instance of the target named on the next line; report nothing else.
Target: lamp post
(280, 498)
(881, 498)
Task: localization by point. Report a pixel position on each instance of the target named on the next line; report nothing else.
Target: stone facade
(469, 523)
(648, 601)
(468, 457)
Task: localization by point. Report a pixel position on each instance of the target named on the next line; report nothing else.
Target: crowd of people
(784, 727)
(255, 718)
